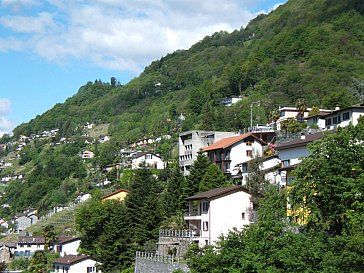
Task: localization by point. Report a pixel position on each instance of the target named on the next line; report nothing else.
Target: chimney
(337, 108)
(303, 137)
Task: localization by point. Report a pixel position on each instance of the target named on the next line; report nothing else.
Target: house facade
(150, 160)
(191, 142)
(292, 152)
(292, 112)
(27, 245)
(344, 117)
(67, 245)
(75, 264)
(269, 165)
(118, 195)
(218, 211)
(87, 155)
(229, 152)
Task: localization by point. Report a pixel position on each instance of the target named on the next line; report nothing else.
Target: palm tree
(275, 115)
(301, 107)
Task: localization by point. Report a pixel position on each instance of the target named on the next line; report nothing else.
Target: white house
(104, 139)
(148, 159)
(230, 101)
(343, 117)
(87, 154)
(292, 112)
(218, 211)
(269, 166)
(230, 152)
(67, 245)
(27, 245)
(75, 264)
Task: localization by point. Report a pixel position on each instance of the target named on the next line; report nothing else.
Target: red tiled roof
(217, 192)
(227, 142)
(71, 259)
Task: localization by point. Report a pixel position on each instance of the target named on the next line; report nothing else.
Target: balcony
(192, 215)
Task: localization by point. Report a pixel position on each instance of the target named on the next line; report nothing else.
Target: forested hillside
(311, 49)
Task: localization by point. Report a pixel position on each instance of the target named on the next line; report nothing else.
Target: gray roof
(300, 141)
(217, 192)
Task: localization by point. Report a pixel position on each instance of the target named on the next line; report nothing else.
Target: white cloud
(4, 106)
(29, 24)
(123, 35)
(6, 125)
(17, 5)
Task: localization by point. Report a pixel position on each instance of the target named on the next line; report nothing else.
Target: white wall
(32, 247)
(294, 154)
(153, 161)
(78, 267)
(225, 213)
(238, 154)
(70, 248)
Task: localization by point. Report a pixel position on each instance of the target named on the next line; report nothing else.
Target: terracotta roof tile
(227, 142)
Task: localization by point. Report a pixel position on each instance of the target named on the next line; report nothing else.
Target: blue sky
(48, 49)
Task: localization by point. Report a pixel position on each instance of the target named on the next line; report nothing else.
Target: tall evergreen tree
(174, 198)
(143, 213)
(213, 178)
(197, 172)
(111, 246)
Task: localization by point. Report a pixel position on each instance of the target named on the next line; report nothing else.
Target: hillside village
(207, 217)
(243, 153)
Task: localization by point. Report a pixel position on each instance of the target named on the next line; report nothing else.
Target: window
(205, 206)
(286, 163)
(227, 155)
(249, 153)
(227, 166)
(243, 215)
(336, 120)
(346, 116)
(328, 122)
(244, 167)
(282, 113)
(205, 226)
(249, 143)
(148, 156)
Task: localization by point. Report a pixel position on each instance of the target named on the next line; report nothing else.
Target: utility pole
(251, 113)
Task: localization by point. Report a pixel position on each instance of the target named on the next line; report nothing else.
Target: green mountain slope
(311, 49)
(305, 48)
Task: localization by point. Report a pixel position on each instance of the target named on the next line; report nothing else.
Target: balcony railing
(192, 213)
(185, 233)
